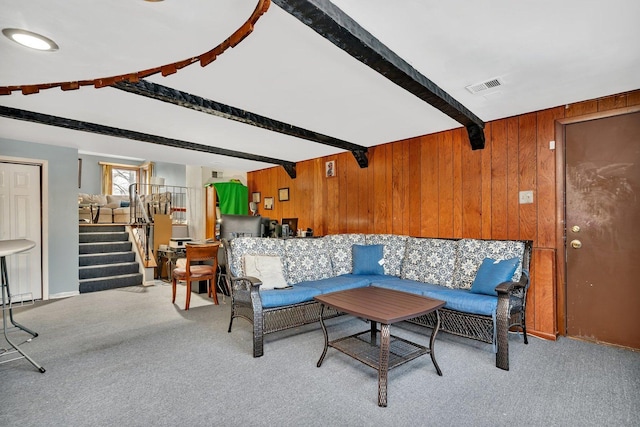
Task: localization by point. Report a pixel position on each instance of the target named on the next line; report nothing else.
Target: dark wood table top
(379, 304)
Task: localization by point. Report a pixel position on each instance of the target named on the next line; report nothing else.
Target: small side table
(10, 247)
(168, 258)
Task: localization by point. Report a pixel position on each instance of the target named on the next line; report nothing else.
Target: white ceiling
(546, 52)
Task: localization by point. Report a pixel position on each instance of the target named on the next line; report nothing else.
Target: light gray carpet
(128, 357)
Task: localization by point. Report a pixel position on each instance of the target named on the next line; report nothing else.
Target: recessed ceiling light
(30, 39)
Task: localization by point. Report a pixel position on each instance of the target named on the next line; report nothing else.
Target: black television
(232, 226)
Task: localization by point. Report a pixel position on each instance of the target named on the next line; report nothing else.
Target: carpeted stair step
(107, 270)
(106, 258)
(103, 237)
(106, 228)
(112, 282)
(102, 247)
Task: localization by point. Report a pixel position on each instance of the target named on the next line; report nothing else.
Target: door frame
(44, 209)
(561, 254)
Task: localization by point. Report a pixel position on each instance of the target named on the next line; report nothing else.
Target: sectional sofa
(483, 282)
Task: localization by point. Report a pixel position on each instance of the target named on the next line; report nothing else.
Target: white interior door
(20, 206)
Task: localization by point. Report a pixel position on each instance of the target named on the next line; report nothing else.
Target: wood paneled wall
(436, 186)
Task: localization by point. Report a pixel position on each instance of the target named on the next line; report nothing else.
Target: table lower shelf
(360, 347)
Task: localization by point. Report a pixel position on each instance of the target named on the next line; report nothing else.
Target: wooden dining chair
(193, 272)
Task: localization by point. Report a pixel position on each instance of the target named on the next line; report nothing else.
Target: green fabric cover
(233, 198)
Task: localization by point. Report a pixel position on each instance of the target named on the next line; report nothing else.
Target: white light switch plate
(526, 197)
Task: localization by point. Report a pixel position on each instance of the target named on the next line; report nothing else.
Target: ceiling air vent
(481, 87)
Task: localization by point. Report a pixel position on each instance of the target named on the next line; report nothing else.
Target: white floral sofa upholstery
(112, 208)
(483, 282)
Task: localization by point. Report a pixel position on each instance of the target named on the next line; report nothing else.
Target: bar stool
(10, 247)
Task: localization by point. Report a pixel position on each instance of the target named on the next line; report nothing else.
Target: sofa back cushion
(307, 259)
(471, 253)
(394, 249)
(115, 202)
(268, 269)
(340, 251)
(430, 261)
(98, 199)
(241, 246)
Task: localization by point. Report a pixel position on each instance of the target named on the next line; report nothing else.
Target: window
(117, 178)
(121, 179)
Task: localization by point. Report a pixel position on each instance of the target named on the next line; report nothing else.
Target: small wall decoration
(330, 169)
(283, 194)
(268, 203)
(255, 197)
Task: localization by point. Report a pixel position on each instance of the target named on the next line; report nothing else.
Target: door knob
(576, 244)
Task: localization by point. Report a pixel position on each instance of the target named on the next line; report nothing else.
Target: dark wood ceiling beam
(31, 116)
(194, 102)
(334, 25)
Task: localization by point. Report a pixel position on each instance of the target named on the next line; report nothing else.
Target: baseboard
(64, 295)
(543, 335)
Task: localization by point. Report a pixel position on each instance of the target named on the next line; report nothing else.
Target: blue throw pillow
(124, 203)
(491, 273)
(368, 259)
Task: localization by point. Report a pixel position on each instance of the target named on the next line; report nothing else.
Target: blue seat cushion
(465, 301)
(406, 285)
(338, 283)
(293, 295)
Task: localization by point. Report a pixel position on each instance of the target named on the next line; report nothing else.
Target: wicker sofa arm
(245, 283)
(246, 303)
(506, 291)
(509, 287)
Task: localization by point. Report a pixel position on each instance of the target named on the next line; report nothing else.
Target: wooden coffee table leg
(383, 368)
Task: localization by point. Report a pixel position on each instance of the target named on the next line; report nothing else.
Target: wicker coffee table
(378, 348)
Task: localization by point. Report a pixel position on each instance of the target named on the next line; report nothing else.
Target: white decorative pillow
(267, 268)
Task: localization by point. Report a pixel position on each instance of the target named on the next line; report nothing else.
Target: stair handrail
(147, 200)
(141, 225)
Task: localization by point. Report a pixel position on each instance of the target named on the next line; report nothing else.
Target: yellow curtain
(106, 178)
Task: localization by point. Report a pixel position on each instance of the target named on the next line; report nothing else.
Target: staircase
(106, 260)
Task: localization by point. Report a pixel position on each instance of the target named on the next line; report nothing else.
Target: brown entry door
(603, 229)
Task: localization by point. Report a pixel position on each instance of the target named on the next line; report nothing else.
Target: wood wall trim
(599, 115)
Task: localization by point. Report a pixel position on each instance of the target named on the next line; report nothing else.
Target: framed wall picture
(255, 197)
(268, 203)
(283, 194)
(330, 169)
